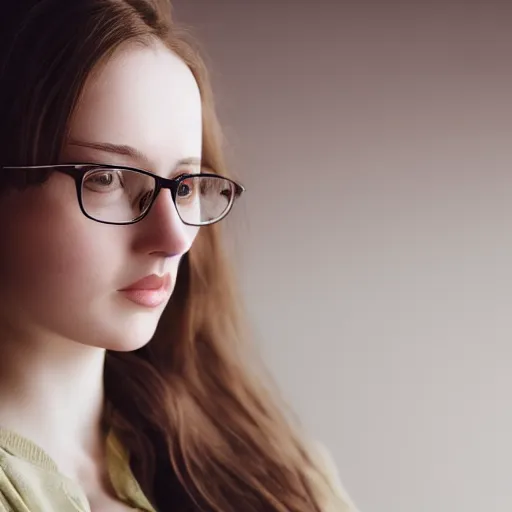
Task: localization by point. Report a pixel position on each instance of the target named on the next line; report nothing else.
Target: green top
(30, 480)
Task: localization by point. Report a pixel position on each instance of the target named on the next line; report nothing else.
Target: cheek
(49, 252)
(60, 276)
(49, 264)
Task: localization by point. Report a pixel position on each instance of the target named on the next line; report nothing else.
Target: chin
(126, 345)
(132, 333)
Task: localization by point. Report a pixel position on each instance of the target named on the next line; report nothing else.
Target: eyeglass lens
(124, 195)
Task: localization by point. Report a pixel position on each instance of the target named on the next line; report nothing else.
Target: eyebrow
(124, 150)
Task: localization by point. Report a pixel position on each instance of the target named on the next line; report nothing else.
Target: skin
(60, 304)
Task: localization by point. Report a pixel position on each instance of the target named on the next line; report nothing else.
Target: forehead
(144, 97)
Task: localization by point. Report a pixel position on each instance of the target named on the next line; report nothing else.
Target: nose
(162, 231)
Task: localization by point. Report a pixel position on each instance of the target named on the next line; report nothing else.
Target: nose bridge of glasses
(164, 185)
(170, 184)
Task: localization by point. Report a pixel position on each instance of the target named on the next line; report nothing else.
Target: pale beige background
(375, 139)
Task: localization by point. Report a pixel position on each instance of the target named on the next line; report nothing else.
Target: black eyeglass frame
(79, 171)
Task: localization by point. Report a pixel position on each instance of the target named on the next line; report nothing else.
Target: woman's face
(61, 273)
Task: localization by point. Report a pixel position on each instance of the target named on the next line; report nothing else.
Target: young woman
(122, 382)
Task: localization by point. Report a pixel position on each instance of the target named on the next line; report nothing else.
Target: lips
(152, 282)
(150, 292)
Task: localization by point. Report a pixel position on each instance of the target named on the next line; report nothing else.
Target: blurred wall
(375, 140)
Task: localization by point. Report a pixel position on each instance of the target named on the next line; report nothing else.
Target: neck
(51, 392)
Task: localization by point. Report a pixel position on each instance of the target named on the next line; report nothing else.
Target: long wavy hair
(202, 431)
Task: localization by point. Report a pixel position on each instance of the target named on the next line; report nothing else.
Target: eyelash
(183, 172)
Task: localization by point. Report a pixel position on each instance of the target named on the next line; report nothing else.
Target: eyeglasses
(123, 195)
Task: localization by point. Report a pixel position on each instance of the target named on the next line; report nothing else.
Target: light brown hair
(202, 432)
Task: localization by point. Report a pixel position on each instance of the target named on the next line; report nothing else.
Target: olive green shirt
(31, 482)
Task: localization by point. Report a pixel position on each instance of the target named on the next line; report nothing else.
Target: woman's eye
(184, 189)
(103, 181)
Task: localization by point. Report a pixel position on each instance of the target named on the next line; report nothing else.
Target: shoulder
(332, 492)
(26, 485)
(16, 483)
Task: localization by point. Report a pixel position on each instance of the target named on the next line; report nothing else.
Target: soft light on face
(66, 275)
